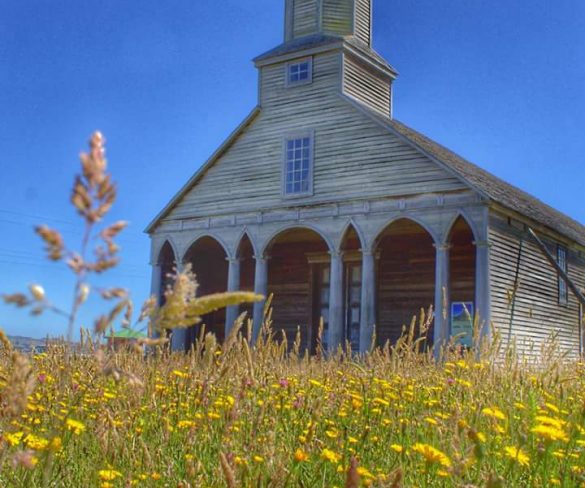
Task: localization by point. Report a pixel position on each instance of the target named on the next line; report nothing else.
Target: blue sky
(502, 83)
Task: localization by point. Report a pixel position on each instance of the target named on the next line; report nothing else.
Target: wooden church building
(323, 199)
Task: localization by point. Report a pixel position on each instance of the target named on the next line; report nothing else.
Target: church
(324, 200)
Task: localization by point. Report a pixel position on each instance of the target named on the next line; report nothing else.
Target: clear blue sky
(502, 83)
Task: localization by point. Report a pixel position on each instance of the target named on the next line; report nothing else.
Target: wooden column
(336, 332)
(442, 297)
(482, 286)
(179, 336)
(233, 285)
(260, 288)
(156, 282)
(368, 301)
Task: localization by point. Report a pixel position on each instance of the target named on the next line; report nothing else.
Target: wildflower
(494, 413)
(330, 456)
(36, 443)
(518, 455)
(397, 448)
(550, 433)
(432, 455)
(14, 438)
(180, 374)
(301, 456)
(109, 474)
(550, 421)
(155, 476)
(75, 426)
(56, 444)
(258, 459)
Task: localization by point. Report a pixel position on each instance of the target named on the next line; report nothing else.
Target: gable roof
(486, 183)
(201, 171)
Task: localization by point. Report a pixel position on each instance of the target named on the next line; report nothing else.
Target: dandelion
(36, 443)
(330, 456)
(397, 448)
(13, 439)
(301, 456)
(518, 455)
(550, 433)
(109, 474)
(432, 455)
(494, 413)
(75, 426)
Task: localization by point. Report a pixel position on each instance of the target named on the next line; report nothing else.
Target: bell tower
(340, 18)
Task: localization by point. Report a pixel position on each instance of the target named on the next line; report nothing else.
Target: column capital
(483, 244)
(231, 259)
(367, 252)
(442, 247)
(336, 254)
(263, 257)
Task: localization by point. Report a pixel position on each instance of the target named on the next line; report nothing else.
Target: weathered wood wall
(406, 279)
(304, 17)
(338, 16)
(208, 261)
(289, 279)
(537, 312)
(363, 20)
(367, 86)
(354, 157)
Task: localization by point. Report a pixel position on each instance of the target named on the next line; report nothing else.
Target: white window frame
(563, 285)
(310, 134)
(308, 81)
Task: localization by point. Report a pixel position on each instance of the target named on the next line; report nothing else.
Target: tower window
(299, 72)
(562, 260)
(298, 165)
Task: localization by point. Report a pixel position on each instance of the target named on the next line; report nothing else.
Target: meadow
(263, 413)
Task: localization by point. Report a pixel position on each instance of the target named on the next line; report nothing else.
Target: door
(321, 273)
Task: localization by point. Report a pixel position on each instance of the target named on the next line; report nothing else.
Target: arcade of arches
(348, 290)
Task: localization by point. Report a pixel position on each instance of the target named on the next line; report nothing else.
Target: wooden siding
(338, 16)
(366, 86)
(537, 312)
(363, 20)
(406, 279)
(304, 17)
(354, 157)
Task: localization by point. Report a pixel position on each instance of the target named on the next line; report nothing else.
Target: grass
(243, 416)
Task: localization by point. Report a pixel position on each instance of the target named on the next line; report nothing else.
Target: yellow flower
(180, 374)
(258, 459)
(397, 448)
(301, 456)
(550, 433)
(56, 444)
(14, 438)
(36, 443)
(75, 426)
(330, 456)
(518, 455)
(494, 413)
(155, 476)
(109, 474)
(545, 420)
(364, 473)
(185, 424)
(432, 455)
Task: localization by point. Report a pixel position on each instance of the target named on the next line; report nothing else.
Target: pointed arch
(461, 214)
(239, 241)
(429, 230)
(200, 237)
(166, 253)
(296, 227)
(350, 226)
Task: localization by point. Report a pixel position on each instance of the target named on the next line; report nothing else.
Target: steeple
(328, 17)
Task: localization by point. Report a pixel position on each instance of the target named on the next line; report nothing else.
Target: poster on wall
(462, 323)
